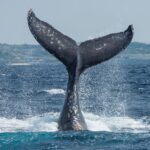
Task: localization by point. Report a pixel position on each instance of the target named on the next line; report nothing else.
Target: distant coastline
(26, 53)
(5, 46)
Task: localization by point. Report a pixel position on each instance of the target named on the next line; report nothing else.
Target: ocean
(114, 98)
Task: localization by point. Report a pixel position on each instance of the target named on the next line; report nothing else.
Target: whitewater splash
(48, 123)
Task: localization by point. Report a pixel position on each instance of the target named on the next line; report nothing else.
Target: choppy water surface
(114, 96)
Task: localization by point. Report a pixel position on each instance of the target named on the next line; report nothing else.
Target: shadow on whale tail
(76, 58)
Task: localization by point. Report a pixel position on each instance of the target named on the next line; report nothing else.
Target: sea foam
(55, 91)
(48, 123)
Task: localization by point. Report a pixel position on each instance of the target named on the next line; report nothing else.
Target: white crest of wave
(48, 123)
(94, 123)
(44, 123)
(116, 124)
(55, 91)
(20, 64)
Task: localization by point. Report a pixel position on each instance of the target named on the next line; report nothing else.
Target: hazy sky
(80, 19)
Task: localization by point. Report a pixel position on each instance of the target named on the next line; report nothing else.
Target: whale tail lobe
(56, 43)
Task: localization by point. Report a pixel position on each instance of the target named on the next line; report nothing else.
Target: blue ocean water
(114, 97)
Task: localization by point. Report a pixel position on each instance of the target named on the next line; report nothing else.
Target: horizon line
(40, 45)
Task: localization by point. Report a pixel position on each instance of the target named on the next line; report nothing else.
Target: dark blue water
(114, 96)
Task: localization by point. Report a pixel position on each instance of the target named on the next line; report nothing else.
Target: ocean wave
(48, 123)
(117, 124)
(43, 123)
(20, 64)
(55, 91)
(138, 56)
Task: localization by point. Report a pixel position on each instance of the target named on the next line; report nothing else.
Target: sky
(79, 19)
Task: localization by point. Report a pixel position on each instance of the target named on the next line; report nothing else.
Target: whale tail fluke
(65, 49)
(76, 58)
